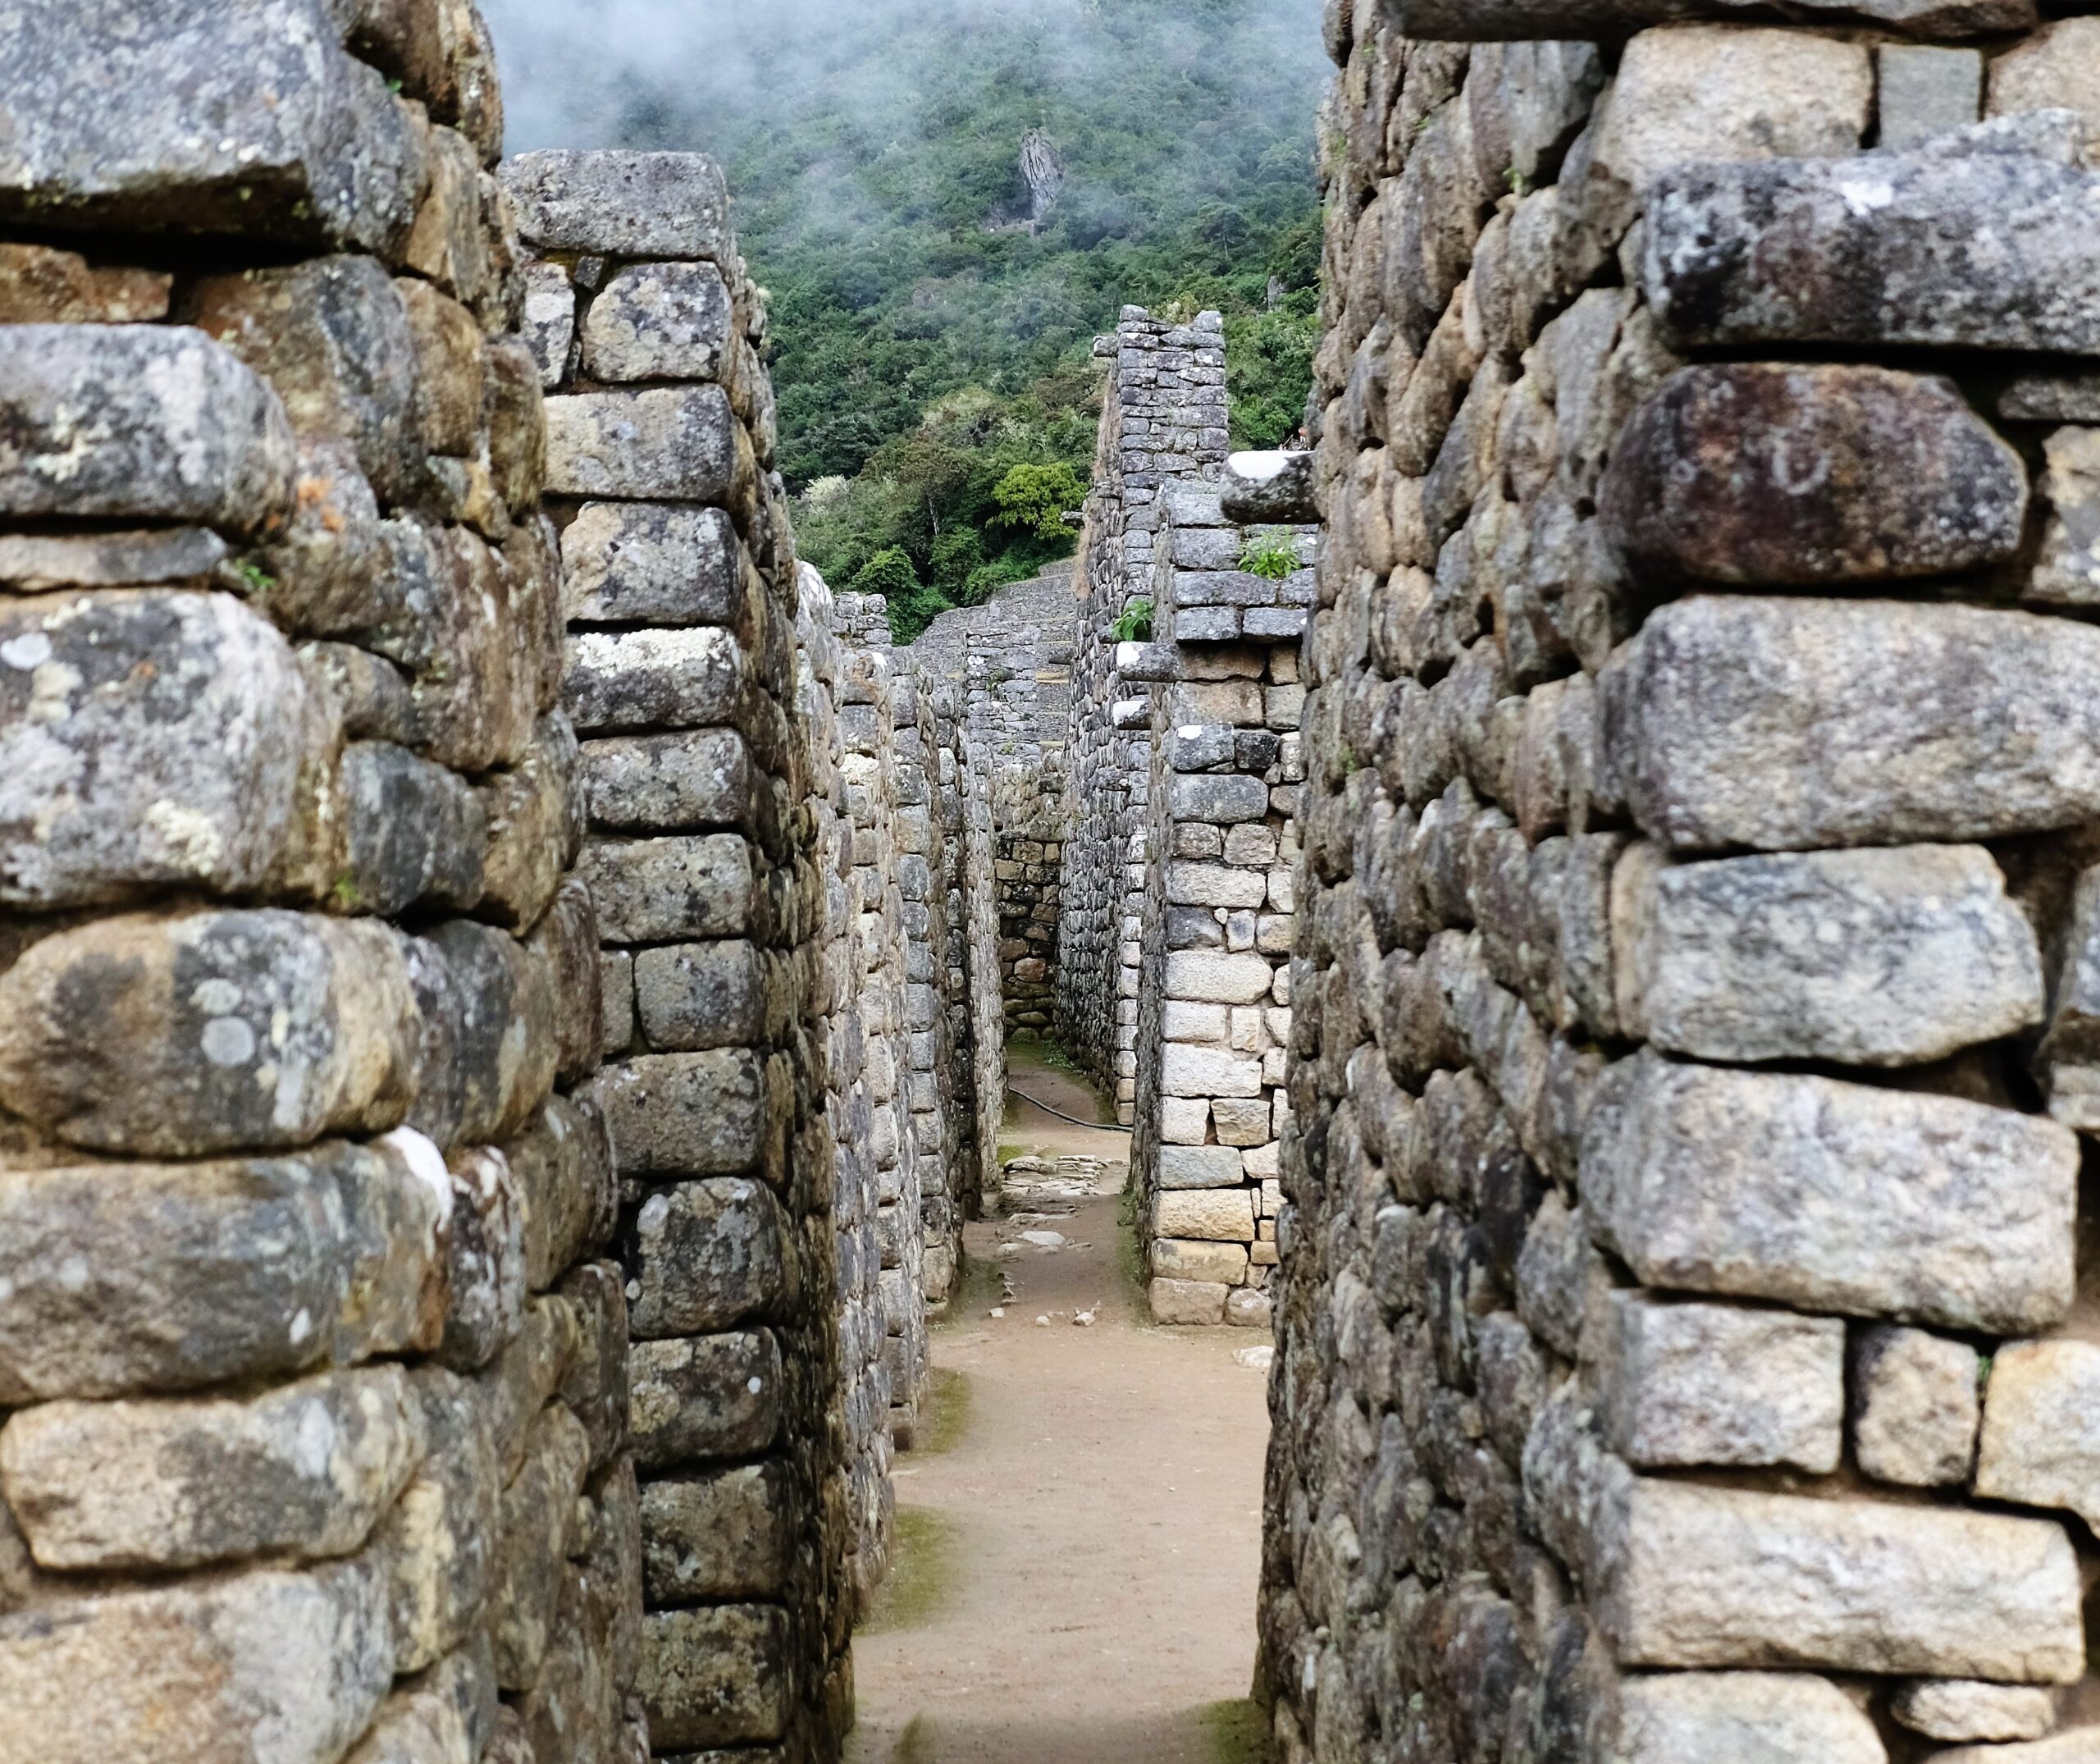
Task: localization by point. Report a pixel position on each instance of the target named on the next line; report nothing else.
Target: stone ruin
(1681, 1342)
(1584, 890)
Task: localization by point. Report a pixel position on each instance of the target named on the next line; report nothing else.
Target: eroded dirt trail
(1076, 1583)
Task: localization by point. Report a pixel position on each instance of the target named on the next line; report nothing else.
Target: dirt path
(1079, 1547)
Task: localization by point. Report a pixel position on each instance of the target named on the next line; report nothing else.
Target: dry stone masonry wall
(1679, 1352)
(682, 593)
(314, 1363)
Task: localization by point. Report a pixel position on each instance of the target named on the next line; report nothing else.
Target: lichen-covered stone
(717, 1536)
(658, 322)
(660, 679)
(684, 1114)
(672, 443)
(253, 1669)
(304, 143)
(715, 1397)
(440, 1534)
(672, 784)
(1697, 1576)
(1783, 723)
(664, 206)
(1768, 475)
(413, 833)
(691, 996)
(715, 1676)
(218, 1031)
(1881, 957)
(1832, 1196)
(1495, 20)
(1967, 1709)
(132, 1278)
(1973, 241)
(625, 562)
(538, 1520)
(658, 890)
(306, 1470)
(708, 1256)
(138, 422)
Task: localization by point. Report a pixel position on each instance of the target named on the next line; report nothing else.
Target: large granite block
(710, 1255)
(669, 444)
(1784, 723)
(1832, 1196)
(684, 1114)
(620, 203)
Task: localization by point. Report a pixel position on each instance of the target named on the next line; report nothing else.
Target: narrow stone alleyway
(1082, 1533)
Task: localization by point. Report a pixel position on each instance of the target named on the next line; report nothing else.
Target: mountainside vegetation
(948, 199)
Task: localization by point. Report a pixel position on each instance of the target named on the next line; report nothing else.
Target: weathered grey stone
(718, 1396)
(1708, 92)
(413, 832)
(1770, 475)
(304, 144)
(621, 204)
(1220, 799)
(129, 1278)
(1270, 487)
(484, 1260)
(715, 1677)
(534, 816)
(1916, 1404)
(1688, 1384)
(1966, 1709)
(708, 1256)
(566, 939)
(562, 1165)
(35, 563)
(538, 1521)
(2041, 1441)
(1200, 1167)
(333, 337)
(138, 422)
(595, 1386)
(251, 1669)
(1187, 1259)
(488, 1041)
(1832, 1196)
(673, 444)
(1875, 957)
(1562, 1281)
(1741, 1718)
(656, 890)
(440, 1535)
(2057, 68)
(1200, 1303)
(444, 1717)
(2067, 573)
(1212, 977)
(1975, 241)
(668, 783)
(1696, 1576)
(1496, 21)
(1921, 93)
(635, 679)
(1782, 724)
(1211, 1214)
(723, 1536)
(2069, 1058)
(530, 1369)
(306, 1470)
(695, 996)
(658, 322)
(550, 320)
(642, 563)
(2079, 1745)
(210, 1033)
(684, 1114)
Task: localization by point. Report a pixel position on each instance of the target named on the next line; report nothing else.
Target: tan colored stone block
(1188, 1301)
(1183, 1260)
(1217, 1215)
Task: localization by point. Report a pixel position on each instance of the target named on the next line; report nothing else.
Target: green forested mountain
(934, 306)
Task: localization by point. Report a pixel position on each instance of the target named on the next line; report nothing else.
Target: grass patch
(924, 1554)
(1238, 1731)
(944, 1415)
(914, 1745)
(1130, 1256)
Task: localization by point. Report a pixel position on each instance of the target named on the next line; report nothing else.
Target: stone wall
(1678, 1354)
(1162, 425)
(682, 591)
(1221, 859)
(315, 1381)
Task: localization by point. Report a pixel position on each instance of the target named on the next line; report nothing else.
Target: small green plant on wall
(1135, 624)
(1271, 556)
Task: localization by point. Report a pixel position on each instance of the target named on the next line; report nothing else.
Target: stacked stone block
(968, 1065)
(863, 1327)
(681, 588)
(1214, 1001)
(1162, 428)
(1679, 1341)
(315, 1393)
(871, 770)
